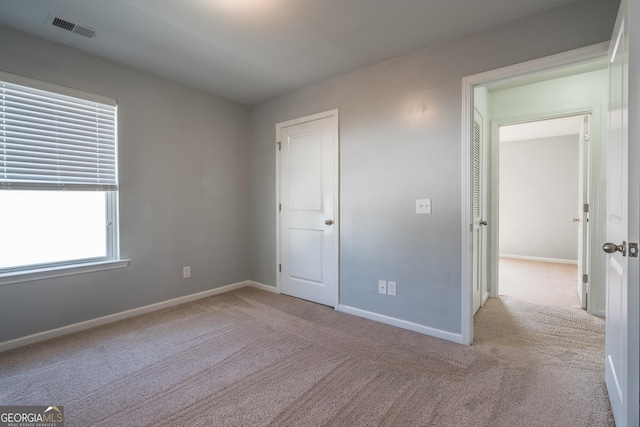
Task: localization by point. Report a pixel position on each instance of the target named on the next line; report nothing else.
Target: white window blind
(50, 140)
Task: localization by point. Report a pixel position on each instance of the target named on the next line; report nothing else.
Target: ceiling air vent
(81, 30)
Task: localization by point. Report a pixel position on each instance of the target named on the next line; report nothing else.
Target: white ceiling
(251, 50)
(541, 129)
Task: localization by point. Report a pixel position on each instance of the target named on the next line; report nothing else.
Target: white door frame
(573, 57)
(336, 213)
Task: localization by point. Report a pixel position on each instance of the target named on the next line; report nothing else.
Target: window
(58, 179)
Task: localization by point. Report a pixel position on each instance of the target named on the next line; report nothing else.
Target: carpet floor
(545, 283)
(252, 358)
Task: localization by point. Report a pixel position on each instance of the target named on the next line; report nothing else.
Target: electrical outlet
(423, 206)
(382, 287)
(186, 272)
(391, 288)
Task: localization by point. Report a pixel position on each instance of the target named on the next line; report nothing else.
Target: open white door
(583, 211)
(308, 207)
(478, 206)
(621, 348)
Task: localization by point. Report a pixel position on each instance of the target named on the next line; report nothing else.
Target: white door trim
(572, 57)
(336, 214)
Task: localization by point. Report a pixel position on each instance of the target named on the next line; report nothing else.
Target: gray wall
(400, 127)
(539, 197)
(183, 199)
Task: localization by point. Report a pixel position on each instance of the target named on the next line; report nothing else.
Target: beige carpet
(544, 283)
(251, 358)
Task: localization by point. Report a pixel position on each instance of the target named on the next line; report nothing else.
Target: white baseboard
(262, 286)
(76, 327)
(64, 330)
(393, 321)
(540, 259)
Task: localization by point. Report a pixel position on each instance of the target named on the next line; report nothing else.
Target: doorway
(543, 187)
(566, 84)
(582, 93)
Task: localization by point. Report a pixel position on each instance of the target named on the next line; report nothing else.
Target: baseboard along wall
(540, 259)
(403, 324)
(92, 323)
(99, 321)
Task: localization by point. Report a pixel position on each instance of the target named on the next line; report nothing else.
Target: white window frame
(56, 269)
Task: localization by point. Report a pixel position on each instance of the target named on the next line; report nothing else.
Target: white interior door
(583, 214)
(308, 208)
(621, 369)
(479, 216)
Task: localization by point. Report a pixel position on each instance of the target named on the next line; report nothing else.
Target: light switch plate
(423, 206)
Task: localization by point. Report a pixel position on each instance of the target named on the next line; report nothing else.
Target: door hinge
(633, 250)
(585, 208)
(585, 281)
(279, 207)
(279, 146)
(280, 268)
(587, 136)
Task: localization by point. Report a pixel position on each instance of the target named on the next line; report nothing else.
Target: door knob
(575, 220)
(483, 222)
(328, 222)
(612, 248)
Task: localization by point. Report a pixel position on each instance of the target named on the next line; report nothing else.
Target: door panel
(617, 374)
(615, 347)
(305, 255)
(308, 220)
(305, 171)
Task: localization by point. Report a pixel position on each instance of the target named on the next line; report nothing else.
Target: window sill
(67, 270)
